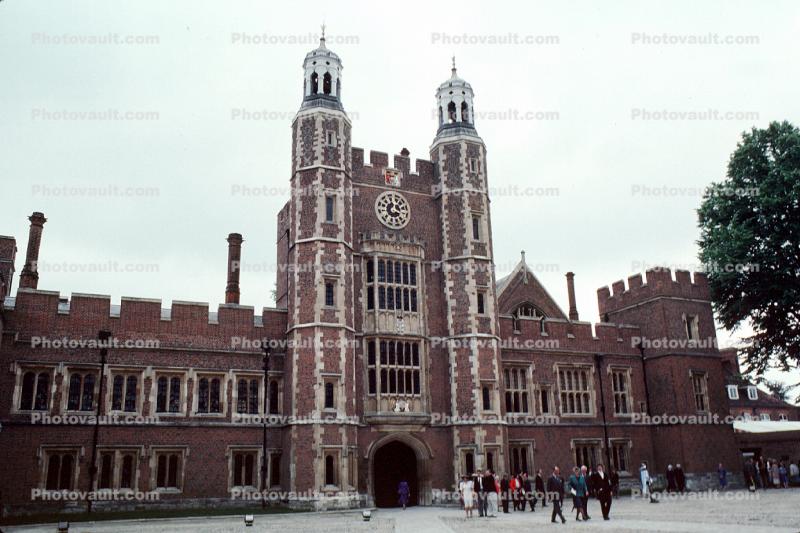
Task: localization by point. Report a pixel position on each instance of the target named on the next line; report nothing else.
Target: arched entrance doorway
(394, 462)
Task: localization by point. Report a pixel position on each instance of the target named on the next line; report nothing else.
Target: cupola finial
(322, 38)
(453, 71)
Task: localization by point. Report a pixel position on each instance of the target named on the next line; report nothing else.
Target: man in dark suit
(602, 484)
(750, 474)
(539, 485)
(555, 491)
(480, 493)
(504, 488)
(488, 486)
(680, 478)
(527, 492)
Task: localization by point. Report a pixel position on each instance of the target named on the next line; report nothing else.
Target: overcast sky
(603, 122)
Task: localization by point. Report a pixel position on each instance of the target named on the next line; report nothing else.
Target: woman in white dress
(467, 494)
(644, 477)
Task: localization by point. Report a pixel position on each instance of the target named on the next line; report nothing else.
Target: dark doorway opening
(394, 462)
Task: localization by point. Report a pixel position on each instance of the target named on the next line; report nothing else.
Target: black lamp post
(264, 428)
(103, 337)
(598, 359)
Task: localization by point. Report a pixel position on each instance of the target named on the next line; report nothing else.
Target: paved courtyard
(771, 511)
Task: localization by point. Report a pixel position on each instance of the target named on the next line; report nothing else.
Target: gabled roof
(520, 286)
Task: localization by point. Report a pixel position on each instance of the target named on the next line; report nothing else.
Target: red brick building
(395, 351)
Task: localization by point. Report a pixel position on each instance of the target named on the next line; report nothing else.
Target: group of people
(484, 490)
(769, 473)
(676, 478)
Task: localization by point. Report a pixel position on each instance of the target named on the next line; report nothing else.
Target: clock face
(392, 210)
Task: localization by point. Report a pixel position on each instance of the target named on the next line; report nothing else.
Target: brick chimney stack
(234, 264)
(573, 309)
(29, 278)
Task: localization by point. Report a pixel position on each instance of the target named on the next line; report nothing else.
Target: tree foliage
(750, 245)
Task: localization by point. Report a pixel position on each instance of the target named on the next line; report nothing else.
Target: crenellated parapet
(556, 334)
(184, 324)
(373, 170)
(657, 283)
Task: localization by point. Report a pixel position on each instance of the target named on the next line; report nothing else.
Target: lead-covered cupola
(322, 78)
(454, 101)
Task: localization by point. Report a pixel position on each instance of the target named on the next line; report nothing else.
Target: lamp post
(598, 359)
(103, 337)
(264, 430)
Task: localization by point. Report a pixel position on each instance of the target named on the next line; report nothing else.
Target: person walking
(782, 472)
(614, 482)
(578, 489)
(467, 488)
(585, 500)
(403, 492)
(527, 492)
(794, 472)
(513, 487)
(644, 479)
(776, 474)
(480, 494)
(492, 503)
(763, 471)
(602, 484)
(680, 478)
(555, 491)
(750, 474)
(722, 474)
(539, 485)
(504, 488)
(671, 486)
(488, 487)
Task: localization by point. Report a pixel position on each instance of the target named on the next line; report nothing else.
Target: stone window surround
(141, 373)
(612, 442)
(335, 379)
(169, 373)
(611, 370)
(528, 369)
(248, 375)
(527, 446)
(82, 369)
(158, 450)
(394, 338)
(246, 448)
(195, 375)
(592, 392)
(120, 450)
(587, 441)
(336, 452)
(43, 454)
(21, 368)
(703, 381)
(547, 388)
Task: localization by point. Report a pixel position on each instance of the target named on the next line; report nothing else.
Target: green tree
(779, 389)
(750, 245)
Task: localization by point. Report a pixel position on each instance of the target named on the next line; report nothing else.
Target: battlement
(84, 314)
(559, 334)
(659, 283)
(423, 167)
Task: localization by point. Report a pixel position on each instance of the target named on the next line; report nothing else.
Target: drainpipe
(264, 458)
(598, 360)
(103, 336)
